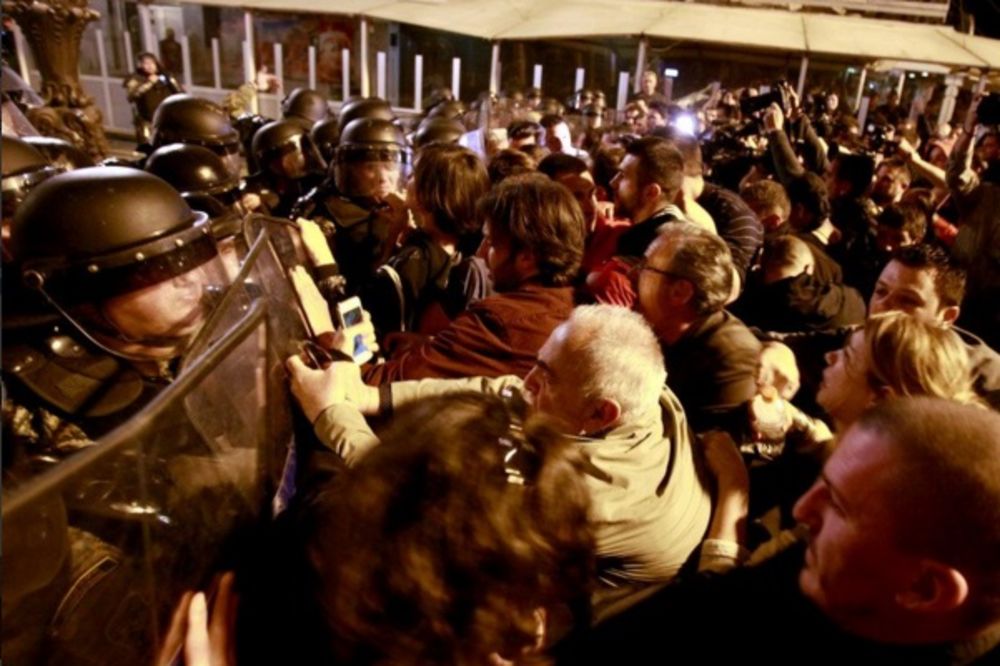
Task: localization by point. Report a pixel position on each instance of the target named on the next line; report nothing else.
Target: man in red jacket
(533, 242)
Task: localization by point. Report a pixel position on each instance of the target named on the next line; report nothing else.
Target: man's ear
(936, 588)
(950, 314)
(604, 413)
(680, 292)
(651, 192)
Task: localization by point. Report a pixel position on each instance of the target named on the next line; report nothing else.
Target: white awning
(779, 30)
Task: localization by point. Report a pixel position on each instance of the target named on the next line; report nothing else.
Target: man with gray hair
(684, 282)
(600, 375)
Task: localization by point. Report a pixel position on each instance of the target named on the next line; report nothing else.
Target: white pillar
(249, 49)
(862, 80)
(129, 55)
(311, 57)
(380, 74)
(102, 59)
(363, 58)
(899, 86)
(622, 91)
(418, 82)
(803, 68)
(149, 41)
(456, 77)
(640, 63)
(250, 73)
(216, 64)
(495, 68)
(345, 64)
(536, 81)
(952, 84)
(581, 75)
(279, 66)
(863, 112)
(186, 61)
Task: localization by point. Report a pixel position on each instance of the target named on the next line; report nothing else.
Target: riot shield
(104, 543)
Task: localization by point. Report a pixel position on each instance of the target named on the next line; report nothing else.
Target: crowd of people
(719, 378)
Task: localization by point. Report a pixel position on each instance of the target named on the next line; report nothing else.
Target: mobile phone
(350, 314)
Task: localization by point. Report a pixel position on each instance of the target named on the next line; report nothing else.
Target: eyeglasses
(642, 265)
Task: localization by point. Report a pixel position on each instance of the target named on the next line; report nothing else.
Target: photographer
(146, 87)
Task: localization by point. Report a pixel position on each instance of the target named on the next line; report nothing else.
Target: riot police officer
(193, 120)
(124, 286)
(325, 136)
(437, 129)
(365, 107)
(305, 105)
(202, 179)
(289, 166)
(359, 208)
(24, 167)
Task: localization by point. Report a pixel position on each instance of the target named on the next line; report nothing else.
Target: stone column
(53, 30)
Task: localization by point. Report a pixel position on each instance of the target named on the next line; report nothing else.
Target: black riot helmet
(121, 256)
(365, 107)
(449, 108)
(283, 148)
(24, 167)
(194, 170)
(367, 141)
(438, 130)
(306, 104)
(184, 118)
(61, 153)
(325, 136)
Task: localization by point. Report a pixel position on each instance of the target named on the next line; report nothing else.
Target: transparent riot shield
(102, 545)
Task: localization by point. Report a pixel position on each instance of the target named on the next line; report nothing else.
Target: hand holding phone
(351, 316)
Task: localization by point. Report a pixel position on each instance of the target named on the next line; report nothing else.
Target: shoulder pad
(72, 378)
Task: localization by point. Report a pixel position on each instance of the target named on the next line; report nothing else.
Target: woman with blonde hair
(894, 355)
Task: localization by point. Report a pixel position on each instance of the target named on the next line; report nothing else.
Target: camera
(777, 95)
(988, 112)
(879, 141)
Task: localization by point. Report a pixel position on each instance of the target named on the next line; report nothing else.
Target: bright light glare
(686, 124)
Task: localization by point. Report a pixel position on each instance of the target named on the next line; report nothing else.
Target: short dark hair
(703, 259)
(767, 195)
(449, 181)
(509, 162)
(946, 495)
(809, 191)
(660, 163)
(857, 171)
(558, 164)
(550, 120)
(910, 218)
(949, 277)
(606, 162)
(540, 216)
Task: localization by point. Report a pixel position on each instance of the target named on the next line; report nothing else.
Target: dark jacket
(499, 335)
(803, 303)
(634, 241)
(712, 370)
(750, 615)
(736, 223)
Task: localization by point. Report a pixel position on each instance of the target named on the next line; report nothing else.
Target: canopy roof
(820, 34)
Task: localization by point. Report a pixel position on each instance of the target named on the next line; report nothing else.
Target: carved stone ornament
(53, 30)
